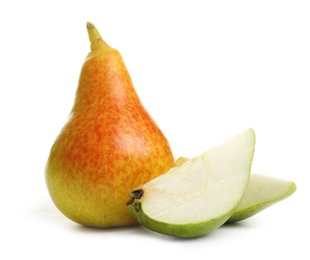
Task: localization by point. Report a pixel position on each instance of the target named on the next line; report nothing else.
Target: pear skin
(109, 145)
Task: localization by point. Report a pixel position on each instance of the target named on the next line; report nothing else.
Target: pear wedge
(200, 195)
(181, 160)
(262, 192)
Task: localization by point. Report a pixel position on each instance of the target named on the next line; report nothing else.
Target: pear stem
(95, 38)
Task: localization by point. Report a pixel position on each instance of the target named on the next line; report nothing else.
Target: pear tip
(89, 25)
(95, 37)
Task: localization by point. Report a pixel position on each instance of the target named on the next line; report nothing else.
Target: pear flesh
(200, 195)
(262, 192)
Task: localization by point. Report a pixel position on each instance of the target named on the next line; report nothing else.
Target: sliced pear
(262, 192)
(200, 195)
(181, 160)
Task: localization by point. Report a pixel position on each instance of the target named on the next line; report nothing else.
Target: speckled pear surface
(109, 145)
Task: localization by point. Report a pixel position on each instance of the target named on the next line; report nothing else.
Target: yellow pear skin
(109, 145)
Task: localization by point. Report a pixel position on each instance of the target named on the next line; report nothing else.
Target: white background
(205, 70)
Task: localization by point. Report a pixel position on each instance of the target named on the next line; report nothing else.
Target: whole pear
(109, 145)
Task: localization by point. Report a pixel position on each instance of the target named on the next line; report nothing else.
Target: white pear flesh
(200, 195)
(262, 192)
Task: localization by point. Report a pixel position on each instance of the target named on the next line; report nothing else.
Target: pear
(200, 195)
(181, 160)
(109, 145)
(262, 192)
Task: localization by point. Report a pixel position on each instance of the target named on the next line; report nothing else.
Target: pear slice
(200, 195)
(262, 192)
(181, 160)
